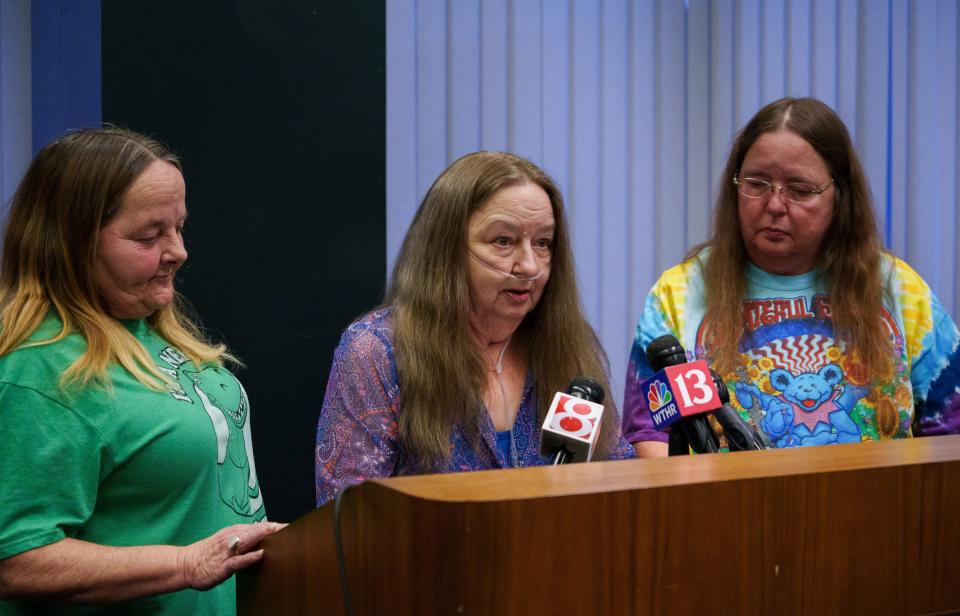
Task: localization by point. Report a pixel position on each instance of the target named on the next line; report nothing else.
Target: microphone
(740, 435)
(679, 393)
(572, 424)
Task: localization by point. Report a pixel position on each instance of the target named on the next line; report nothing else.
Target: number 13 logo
(693, 385)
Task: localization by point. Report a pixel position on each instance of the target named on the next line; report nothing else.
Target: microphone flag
(680, 391)
(574, 423)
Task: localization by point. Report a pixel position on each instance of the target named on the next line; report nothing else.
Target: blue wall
(49, 78)
(65, 49)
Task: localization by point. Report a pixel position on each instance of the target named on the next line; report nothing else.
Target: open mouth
(518, 295)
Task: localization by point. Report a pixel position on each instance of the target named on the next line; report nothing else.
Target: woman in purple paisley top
(481, 325)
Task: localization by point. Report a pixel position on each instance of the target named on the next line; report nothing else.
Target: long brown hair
(73, 187)
(441, 372)
(850, 257)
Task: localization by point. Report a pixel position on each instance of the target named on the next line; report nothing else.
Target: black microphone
(740, 435)
(572, 424)
(692, 432)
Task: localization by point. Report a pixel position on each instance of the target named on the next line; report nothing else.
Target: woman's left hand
(210, 561)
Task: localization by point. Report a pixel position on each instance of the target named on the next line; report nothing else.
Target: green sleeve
(50, 466)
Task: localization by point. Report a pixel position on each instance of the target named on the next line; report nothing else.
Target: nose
(176, 252)
(526, 263)
(778, 200)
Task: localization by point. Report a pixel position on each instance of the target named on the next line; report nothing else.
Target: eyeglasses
(795, 192)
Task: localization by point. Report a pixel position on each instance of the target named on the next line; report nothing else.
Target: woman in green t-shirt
(127, 471)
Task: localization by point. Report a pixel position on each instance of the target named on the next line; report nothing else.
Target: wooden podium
(869, 528)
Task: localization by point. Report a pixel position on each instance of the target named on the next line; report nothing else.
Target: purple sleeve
(357, 431)
(637, 425)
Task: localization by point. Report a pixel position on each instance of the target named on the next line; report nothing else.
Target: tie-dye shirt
(797, 384)
(357, 431)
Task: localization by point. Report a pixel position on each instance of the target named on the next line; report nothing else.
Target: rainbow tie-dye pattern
(798, 384)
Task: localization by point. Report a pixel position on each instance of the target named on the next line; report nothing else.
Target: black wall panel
(277, 111)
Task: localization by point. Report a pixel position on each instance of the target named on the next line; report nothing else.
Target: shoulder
(48, 329)
(379, 321)
(908, 293)
(917, 304)
(915, 308)
(680, 275)
(370, 337)
(679, 290)
(38, 364)
(34, 416)
(901, 278)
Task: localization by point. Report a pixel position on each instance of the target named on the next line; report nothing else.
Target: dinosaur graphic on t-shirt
(809, 410)
(226, 403)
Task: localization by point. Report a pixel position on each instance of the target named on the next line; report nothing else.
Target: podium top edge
(626, 475)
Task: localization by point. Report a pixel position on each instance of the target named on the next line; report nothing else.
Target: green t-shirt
(129, 467)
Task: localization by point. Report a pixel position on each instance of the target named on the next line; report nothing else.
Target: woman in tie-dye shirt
(821, 336)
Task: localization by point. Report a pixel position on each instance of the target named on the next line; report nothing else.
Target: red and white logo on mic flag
(574, 417)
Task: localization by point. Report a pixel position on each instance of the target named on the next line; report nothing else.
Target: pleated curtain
(632, 107)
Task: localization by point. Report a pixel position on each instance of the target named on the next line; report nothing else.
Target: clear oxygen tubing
(514, 458)
(507, 274)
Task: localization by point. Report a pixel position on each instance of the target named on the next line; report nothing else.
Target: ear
(831, 373)
(780, 379)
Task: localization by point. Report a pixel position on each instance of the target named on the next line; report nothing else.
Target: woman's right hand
(210, 561)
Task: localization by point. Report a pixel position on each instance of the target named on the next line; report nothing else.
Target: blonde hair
(73, 187)
(441, 372)
(850, 254)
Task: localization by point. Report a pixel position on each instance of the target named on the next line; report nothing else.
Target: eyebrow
(790, 179)
(508, 222)
(158, 222)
